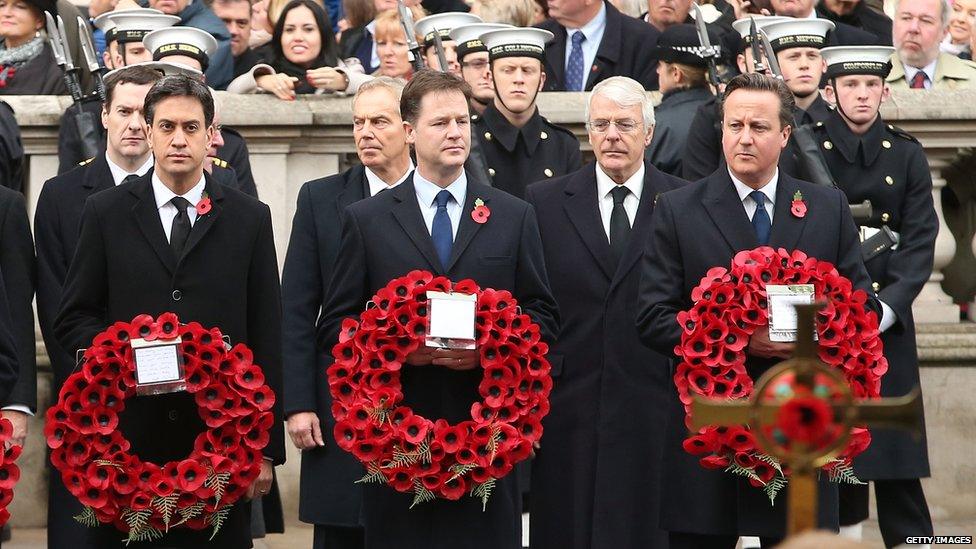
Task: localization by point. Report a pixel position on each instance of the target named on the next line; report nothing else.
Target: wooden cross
(808, 375)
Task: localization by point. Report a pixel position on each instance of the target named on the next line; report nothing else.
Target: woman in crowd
(27, 64)
(391, 44)
(261, 26)
(303, 60)
(518, 13)
(956, 41)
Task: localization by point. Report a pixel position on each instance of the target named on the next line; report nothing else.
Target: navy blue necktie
(440, 229)
(574, 69)
(760, 219)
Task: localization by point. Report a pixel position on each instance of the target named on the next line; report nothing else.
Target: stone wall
(293, 142)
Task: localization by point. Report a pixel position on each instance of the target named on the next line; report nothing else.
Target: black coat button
(173, 414)
(177, 295)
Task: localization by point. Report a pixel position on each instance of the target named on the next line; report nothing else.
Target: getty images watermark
(941, 540)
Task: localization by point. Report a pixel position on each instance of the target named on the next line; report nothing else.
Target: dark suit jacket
(601, 452)
(384, 238)
(11, 150)
(70, 147)
(696, 228)
(864, 18)
(227, 278)
(19, 270)
(327, 493)
(624, 51)
(237, 156)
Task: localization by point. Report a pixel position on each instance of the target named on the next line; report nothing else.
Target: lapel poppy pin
(480, 213)
(204, 205)
(799, 207)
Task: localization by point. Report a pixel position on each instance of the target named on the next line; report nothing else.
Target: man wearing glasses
(607, 385)
(518, 144)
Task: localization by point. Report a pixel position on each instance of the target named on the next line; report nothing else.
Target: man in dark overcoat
(701, 226)
(872, 160)
(426, 223)
(145, 249)
(600, 459)
(328, 495)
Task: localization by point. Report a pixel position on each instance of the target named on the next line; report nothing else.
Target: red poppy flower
(192, 475)
(204, 205)
(701, 444)
(804, 419)
(714, 462)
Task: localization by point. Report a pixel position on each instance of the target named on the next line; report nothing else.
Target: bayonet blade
(757, 62)
(700, 26)
(68, 62)
(406, 20)
(439, 48)
(87, 45)
(55, 38)
(771, 60)
(708, 52)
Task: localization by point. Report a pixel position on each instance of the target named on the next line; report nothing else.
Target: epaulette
(901, 133)
(219, 162)
(84, 162)
(557, 127)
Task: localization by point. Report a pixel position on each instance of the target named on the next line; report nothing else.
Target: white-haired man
(594, 222)
(918, 29)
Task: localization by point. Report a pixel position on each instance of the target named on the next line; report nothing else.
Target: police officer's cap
(680, 44)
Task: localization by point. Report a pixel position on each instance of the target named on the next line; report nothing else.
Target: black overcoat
(19, 268)
(624, 51)
(227, 278)
(385, 237)
(600, 459)
(698, 227)
(327, 493)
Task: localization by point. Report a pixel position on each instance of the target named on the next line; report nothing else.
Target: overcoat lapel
(787, 227)
(582, 208)
(204, 222)
(725, 209)
(147, 218)
(407, 213)
(353, 189)
(467, 228)
(642, 224)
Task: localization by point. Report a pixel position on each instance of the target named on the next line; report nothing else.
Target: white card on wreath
(451, 320)
(781, 302)
(159, 366)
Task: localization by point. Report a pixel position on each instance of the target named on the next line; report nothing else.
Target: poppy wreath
(146, 499)
(729, 305)
(428, 456)
(9, 472)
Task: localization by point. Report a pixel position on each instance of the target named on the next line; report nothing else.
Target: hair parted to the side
(424, 83)
(137, 75)
(626, 93)
(179, 85)
(751, 81)
(392, 85)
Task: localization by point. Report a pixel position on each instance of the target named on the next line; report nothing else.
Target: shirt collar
(376, 184)
(371, 27)
(604, 184)
(594, 26)
(929, 70)
(769, 189)
(163, 193)
(119, 174)
(427, 191)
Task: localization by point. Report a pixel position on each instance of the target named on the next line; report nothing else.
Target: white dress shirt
(119, 174)
(593, 31)
(604, 185)
(929, 70)
(167, 211)
(376, 184)
(769, 189)
(426, 198)
(374, 58)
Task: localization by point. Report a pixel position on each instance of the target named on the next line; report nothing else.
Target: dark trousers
(337, 537)
(683, 540)
(902, 510)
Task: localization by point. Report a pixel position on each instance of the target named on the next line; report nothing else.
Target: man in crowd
(426, 223)
(701, 226)
(473, 58)
(920, 26)
(236, 15)
(443, 24)
(594, 41)
(329, 497)
(872, 160)
(194, 13)
(594, 223)
(127, 156)
(797, 44)
(858, 14)
(127, 27)
(148, 251)
(519, 145)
